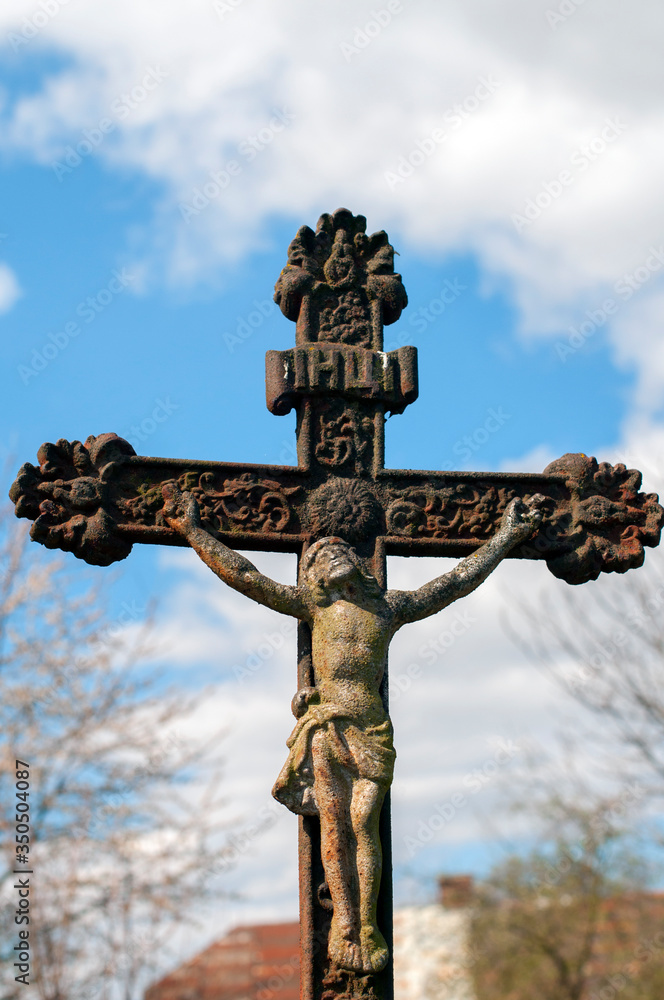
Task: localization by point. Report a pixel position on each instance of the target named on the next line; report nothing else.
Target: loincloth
(357, 751)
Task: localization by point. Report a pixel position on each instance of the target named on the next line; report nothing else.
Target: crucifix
(343, 513)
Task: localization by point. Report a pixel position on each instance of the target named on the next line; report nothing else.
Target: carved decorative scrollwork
(243, 503)
(606, 523)
(460, 510)
(84, 499)
(69, 500)
(247, 503)
(595, 519)
(87, 497)
(344, 438)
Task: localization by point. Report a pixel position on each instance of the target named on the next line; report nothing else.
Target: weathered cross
(96, 499)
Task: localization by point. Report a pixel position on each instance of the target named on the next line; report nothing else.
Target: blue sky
(109, 364)
(527, 151)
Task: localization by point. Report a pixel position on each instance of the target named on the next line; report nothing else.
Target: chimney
(455, 892)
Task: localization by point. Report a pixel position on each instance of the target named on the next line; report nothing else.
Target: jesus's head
(331, 563)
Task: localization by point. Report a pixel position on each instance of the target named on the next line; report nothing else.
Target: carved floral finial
(339, 284)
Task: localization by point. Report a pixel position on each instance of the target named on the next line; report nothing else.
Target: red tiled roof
(259, 962)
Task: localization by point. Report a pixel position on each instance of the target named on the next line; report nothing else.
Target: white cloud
(535, 461)
(641, 447)
(353, 121)
(469, 691)
(220, 81)
(548, 93)
(10, 290)
(638, 344)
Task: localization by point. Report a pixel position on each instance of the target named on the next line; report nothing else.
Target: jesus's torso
(349, 653)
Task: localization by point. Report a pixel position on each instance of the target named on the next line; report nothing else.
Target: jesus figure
(341, 751)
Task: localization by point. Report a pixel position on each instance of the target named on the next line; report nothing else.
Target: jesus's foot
(374, 950)
(344, 949)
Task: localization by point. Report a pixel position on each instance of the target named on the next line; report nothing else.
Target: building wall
(431, 954)
(261, 962)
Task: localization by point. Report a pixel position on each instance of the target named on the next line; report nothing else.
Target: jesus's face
(333, 566)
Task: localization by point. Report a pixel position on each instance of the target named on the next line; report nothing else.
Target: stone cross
(343, 513)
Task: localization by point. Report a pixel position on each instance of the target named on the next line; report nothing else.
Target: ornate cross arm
(96, 499)
(595, 519)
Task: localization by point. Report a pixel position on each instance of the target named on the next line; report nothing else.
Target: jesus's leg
(333, 795)
(365, 810)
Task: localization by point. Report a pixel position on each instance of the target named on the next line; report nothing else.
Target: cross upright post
(342, 512)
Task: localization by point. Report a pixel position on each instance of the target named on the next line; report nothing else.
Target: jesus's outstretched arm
(182, 514)
(519, 521)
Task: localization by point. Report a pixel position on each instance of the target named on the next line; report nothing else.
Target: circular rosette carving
(408, 515)
(346, 508)
(68, 499)
(606, 523)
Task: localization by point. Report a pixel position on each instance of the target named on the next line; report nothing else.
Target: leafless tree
(570, 920)
(605, 646)
(125, 813)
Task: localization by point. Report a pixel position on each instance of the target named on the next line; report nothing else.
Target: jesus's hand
(522, 518)
(180, 509)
